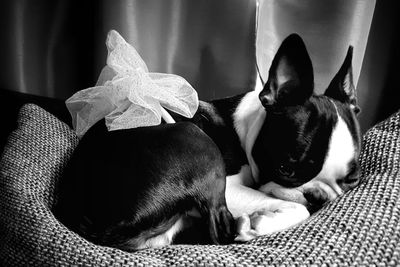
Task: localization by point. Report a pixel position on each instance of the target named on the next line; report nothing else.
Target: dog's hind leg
(220, 222)
(211, 205)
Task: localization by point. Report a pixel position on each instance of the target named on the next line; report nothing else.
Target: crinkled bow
(127, 95)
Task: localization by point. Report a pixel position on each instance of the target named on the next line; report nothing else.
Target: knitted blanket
(362, 227)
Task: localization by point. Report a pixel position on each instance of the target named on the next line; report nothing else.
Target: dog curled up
(246, 165)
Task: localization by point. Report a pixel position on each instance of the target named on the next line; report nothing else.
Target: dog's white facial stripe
(248, 120)
(340, 154)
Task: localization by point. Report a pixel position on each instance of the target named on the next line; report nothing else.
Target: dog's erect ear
(291, 77)
(341, 87)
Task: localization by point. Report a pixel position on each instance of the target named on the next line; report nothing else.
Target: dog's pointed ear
(342, 87)
(291, 76)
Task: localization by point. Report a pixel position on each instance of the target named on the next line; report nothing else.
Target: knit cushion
(360, 228)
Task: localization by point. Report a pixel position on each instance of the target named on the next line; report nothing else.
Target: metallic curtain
(210, 43)
(56, 47)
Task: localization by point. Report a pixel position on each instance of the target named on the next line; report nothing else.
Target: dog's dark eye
(286, 170)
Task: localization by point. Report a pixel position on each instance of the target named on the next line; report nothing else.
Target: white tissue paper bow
(127, 95)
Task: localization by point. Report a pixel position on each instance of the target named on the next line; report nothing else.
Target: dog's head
(308, 145)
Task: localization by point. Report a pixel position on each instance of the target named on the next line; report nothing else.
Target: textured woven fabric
(360, 228)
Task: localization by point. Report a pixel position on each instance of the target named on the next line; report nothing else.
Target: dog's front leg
(256, 213)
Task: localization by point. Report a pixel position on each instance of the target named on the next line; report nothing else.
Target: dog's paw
(264, 222)
(226, 225)
(222, 226)
(244, 229)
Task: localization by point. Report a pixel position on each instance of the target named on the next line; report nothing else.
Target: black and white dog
(265, 159)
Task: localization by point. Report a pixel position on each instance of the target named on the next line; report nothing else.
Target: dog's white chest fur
(248, 120)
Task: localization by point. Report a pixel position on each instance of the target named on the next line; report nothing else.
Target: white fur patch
(248, 120)
(165, 238)
(341, 152)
